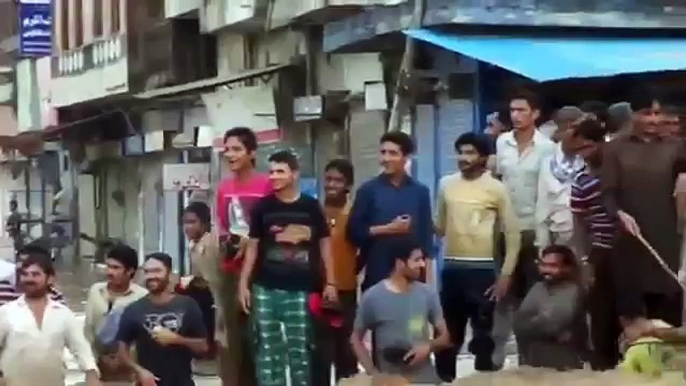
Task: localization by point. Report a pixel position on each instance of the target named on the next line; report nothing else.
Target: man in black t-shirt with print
(167, 330)
(288, 258)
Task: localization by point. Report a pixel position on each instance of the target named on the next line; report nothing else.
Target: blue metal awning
(555, 58)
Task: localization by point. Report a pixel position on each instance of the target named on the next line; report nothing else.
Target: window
(116, 18)
(97, 18)
(78, 23)
(63, 26)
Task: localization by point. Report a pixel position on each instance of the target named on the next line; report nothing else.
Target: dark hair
(125, 255)
(244, 135)
(401, 248)
(590, 129)
(567, 255)
(504, 117)
(478, 141)
(162, 258)
(643, 98)
(44, 262)
(597, 108)
(529, 96)
(401, 139)
(200, 210)
(34, 249)
(285, 157)
(344, 167)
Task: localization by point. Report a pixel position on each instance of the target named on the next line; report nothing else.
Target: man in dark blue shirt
(390, 206)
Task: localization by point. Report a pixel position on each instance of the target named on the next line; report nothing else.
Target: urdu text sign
(35, 28)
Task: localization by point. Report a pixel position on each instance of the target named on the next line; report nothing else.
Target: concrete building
(144, 90)
(471, 53)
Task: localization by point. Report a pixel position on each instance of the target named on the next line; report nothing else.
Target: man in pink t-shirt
(236, 196)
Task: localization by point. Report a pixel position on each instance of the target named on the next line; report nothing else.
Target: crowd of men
(568, 237)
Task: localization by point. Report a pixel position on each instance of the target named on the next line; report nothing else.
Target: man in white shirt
(554, 220)
(519, 155)
(35, 329)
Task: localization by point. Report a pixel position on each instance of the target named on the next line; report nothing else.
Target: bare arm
(249, 262)
(327, 259)
(362, 354)
(124, 355)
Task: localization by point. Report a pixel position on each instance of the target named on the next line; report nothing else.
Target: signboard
(35, 28)
(180, 177)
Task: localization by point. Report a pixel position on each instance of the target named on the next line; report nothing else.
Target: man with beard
(166, 329)
(552, 317)
(388, 207)
(107, 300)
(334, 340)
(400, 311)
(638, 179)
(288, 259)
(35, 330)
(594, 232)
(469, 206)
(236, 195)
(554, 221)
(9, 290)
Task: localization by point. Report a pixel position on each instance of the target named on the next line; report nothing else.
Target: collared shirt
(520, 173)
(33, 355)
(378, 202)
(100, 302)
(9, 292)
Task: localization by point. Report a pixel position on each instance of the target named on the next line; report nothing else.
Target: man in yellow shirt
(472, 206)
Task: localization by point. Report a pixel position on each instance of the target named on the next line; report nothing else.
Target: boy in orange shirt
(334, 340)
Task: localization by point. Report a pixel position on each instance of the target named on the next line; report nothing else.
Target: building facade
(144, 92)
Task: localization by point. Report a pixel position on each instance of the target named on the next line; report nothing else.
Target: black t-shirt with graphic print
(289, 256)
(171, 364)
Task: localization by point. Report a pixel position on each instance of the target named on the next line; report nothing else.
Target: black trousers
(333, 346)
(203, 296)
(605, 326)
(464, 301)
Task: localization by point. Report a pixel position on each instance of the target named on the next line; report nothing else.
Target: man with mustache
(469, 206)
(638, 177)
(35, 330)
(167, 330)
(105, 300)
(551, 318)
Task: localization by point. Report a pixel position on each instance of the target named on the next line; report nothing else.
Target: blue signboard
(35, 28)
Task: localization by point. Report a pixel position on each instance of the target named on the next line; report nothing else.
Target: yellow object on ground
(649, 356)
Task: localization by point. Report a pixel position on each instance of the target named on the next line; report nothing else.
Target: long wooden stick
(660, 260)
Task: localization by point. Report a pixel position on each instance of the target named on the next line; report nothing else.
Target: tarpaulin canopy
(548, 58)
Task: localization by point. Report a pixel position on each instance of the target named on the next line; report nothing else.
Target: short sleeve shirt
(289, 235)
(171, 364)
(400, 320)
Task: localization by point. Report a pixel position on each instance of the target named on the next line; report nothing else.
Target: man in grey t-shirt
(399, 312)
